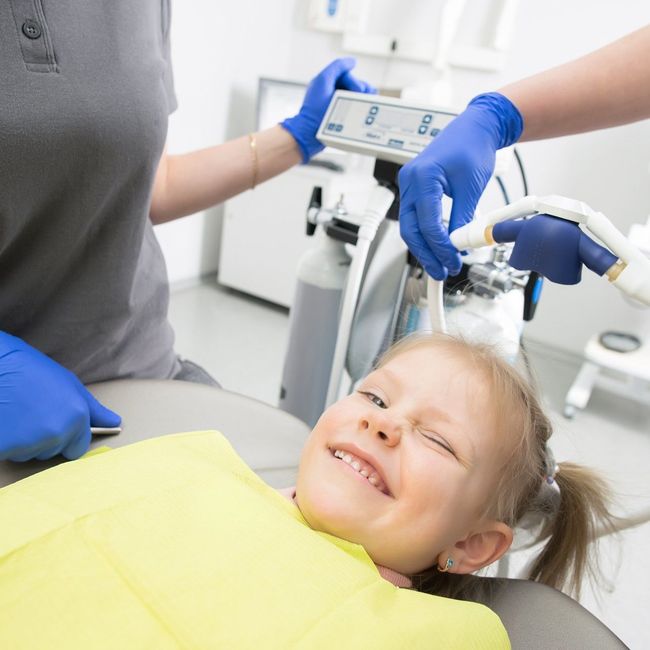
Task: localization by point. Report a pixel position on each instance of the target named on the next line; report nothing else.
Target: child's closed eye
(439, 441)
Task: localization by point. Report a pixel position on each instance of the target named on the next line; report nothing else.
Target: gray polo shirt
(85, 92)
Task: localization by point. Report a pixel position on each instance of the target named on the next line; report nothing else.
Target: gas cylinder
(313, 327)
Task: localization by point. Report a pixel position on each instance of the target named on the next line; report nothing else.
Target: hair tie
(551, 468)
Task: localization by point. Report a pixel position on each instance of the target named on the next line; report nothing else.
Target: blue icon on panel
(373, 110)
(370, 119)
(331, 126)
(339, 127)
(427, 118)
(423, 129)
(434, 132)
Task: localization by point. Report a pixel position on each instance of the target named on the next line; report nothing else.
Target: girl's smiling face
(404, 465)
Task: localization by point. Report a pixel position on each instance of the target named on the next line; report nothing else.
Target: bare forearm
(608, 87)
(194, 181)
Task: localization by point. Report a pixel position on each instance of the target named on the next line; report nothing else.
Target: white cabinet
(264, 229)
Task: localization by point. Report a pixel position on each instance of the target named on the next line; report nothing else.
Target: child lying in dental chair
(415, 481)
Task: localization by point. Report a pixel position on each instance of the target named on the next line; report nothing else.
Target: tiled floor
(241, 341)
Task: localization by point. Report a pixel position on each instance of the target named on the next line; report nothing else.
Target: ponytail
(582, 515)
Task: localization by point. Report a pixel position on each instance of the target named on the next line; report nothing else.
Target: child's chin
(330, 511)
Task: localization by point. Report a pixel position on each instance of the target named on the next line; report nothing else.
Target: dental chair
(536, 617)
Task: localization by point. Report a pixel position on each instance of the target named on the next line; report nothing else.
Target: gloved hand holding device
(304, 126)
(44, 409)
(554, 248)
(459, 162)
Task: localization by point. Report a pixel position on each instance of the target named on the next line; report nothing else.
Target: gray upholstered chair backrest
(538, 617)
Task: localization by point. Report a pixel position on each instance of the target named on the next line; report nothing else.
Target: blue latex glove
(555, 248)
(459, 162)
(44, 409)
(304, 126)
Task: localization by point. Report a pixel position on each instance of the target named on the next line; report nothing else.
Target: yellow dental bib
(175, 543)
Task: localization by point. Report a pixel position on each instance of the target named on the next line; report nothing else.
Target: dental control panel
(385, 127)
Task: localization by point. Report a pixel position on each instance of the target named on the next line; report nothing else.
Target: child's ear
(480, 548)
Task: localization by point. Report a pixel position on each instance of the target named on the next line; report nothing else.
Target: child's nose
(387, 429)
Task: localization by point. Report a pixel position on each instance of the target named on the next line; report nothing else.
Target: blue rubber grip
(553, 247)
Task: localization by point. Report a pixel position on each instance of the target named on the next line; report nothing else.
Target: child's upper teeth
(366, 470)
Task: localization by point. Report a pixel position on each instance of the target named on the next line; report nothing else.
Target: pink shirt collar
(398, 579)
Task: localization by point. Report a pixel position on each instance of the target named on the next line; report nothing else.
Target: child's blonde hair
(573, 515)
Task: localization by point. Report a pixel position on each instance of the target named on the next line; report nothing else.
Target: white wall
(220, 48)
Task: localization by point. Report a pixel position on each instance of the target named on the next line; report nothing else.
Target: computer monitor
(276, 100)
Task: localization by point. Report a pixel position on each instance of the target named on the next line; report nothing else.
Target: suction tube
(435, 299)
(380, 201)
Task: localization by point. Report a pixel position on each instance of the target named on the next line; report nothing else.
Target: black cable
(506, 198)
(521, 170)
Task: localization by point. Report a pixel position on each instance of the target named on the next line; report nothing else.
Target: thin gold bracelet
(252, 143)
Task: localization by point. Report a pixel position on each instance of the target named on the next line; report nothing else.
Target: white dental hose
(631, 274)
(435, 300)
(378, 205)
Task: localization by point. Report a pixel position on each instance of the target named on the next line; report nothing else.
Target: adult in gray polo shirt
(85, 93)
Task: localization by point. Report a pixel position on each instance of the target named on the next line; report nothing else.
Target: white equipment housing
(394, 130)
(385, 127)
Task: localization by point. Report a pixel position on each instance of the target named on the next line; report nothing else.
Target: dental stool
(536, 617)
